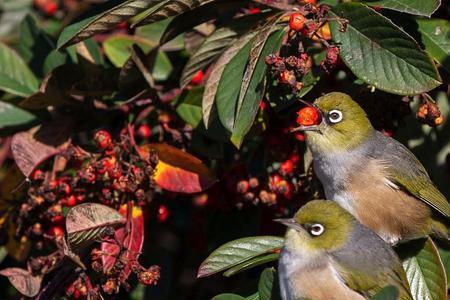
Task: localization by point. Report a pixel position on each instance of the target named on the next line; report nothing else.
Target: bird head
(337, 124)
(319, 226)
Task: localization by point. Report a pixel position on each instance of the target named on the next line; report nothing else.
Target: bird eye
(316, 229)
(335, 116)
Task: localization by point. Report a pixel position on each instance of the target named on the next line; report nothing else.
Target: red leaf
(23, 281)
(178, 171)
(132, 238)
(30, 148)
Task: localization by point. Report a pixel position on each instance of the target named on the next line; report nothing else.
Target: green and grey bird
(374, 177)
(329, 255)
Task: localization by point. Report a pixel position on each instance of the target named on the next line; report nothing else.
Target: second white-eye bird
(374, 177)
(329, 255)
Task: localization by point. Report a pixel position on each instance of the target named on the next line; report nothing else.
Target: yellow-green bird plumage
(374, 177)
(346, 261)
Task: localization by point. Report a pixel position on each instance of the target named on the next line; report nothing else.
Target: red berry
(242, 186)
(197, 78)
(144, 131)
(50, 8)
(38, 175)
(56, 232)
(163, 213)
(287, 167)
(296, 21)
(274, 180)
(313, 2)
(254, 10)
(308, 116)
(103, 139)
(71, 201)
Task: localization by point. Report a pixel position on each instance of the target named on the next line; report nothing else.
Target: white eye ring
(335, 116)
(316, 229)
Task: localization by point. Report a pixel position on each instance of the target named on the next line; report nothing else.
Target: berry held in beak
(308, 118)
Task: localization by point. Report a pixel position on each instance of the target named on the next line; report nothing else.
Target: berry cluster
(429, 113)
(273, 191)
(114, 175)
(306, 27)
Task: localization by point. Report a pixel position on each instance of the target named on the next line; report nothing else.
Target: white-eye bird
(374, 177)
(329, 255)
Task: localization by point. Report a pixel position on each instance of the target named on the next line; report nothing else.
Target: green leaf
(237, 252)
(11, 115)
(382, 54)
(421, 8)
(103, 22)
(436, 38)
(15, 76)
(254, 296)
(228, 88)
(118, 47)
(424, 270)
(246, 114)
(212, 84)
(251, 263)
(155, 31)
(268, 285)
(387, 293)
(216, 43)
(12, 13)
(191, 18)
(189, 106)
(257, 47)
(228, 297)
(169, 9)
(211, 48)
(118, 50)
(445, 257)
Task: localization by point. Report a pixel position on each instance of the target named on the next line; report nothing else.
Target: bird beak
(306, 128)
(291, 223)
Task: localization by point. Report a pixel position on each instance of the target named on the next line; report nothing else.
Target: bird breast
(316, 280)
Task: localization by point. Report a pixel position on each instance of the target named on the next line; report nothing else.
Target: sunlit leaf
(131, 237)
(27, 284)
(170, 8)
(215, 44)
(228, 88)
(178, 171)
(424, 270)
(256, 49)
(248, 109)
(88, 222)
(382, 54)
(189, 106)
(212, 83)
(15, 76)
(422, 7)
(103, 22)
(251, 263)
(237, 252)
(11, 115)
(436, 38)
(32, 147)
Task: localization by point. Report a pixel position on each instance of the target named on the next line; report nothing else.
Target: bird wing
(367, 264)
(405, 170)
